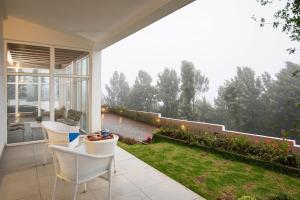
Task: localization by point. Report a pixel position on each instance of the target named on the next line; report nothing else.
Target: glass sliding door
(72, 93)
(38, 88)
(71, 85)
(27, 91)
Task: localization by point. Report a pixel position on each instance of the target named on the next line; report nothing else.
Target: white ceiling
(92, 19)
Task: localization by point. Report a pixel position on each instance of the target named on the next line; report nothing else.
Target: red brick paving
(126, 127)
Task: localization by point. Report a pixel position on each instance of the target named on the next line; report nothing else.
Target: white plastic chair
(77, 167)
(101, 147)
(58, 133)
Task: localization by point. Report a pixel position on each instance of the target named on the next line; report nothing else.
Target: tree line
(247, 102)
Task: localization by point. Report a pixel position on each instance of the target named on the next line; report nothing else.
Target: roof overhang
(96, 23)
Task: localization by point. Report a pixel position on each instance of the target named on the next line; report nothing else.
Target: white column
(39, 96)
(17, 115)
(73, 88)
(95, 90)
(62, 92)
(52, 84)
(3, 106)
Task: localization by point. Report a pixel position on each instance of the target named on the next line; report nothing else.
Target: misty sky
(216, 35)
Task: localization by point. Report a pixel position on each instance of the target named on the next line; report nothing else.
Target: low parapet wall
(157, 120)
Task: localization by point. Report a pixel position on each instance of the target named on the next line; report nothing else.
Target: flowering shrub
(148, 140)
(272, 151)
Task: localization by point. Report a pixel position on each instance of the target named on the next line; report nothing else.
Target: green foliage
(260, 104)
(143, 95)
(205, 112)
(286, 18)
(117, 91)
(167, 92)
(240, 101)
(281, 196)
(272, 151)
(284, 94)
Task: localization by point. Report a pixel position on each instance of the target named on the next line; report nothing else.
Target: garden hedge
(269, 155)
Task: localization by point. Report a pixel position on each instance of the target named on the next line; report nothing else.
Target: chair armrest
(75, 151)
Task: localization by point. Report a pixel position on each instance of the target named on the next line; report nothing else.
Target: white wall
(3, 110)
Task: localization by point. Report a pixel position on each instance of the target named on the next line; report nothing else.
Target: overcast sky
(216, 35)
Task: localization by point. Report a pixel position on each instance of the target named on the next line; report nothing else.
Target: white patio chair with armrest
(102, 147)
(58, 133)
(78, 167)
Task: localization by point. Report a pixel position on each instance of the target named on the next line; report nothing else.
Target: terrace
(25, 177)
(50, 64)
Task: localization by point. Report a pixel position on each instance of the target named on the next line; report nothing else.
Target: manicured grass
(211, 175)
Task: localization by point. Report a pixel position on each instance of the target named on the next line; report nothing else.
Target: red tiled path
(126, 127)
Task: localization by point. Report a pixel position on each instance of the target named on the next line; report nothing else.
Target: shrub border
(291, 171)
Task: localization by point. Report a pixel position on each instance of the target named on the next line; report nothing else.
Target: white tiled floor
(25, 178)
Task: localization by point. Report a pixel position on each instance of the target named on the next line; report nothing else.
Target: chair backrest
(59, 113)
(74, 166)
(101, 147)
(58, 133)
(74, 115)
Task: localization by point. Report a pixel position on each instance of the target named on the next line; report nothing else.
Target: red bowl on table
(97, 137)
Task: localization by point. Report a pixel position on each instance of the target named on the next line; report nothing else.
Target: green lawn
(211, 175)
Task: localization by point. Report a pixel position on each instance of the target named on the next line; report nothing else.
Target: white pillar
(3, 106)
(95, 90)
(52, 84)
(62, 92)
(39, 96)
(17, 102)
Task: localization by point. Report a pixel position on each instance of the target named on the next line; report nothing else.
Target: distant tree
(112, 90)
(266, 102)
(167, 92)
(201, 83)
(240, 99)
(229, 106)
(223, 116)
(117, 91)
(266, 80)
(143, 95)
(122, 96)
(205, 111)
(287, 19)
(285, 97)
(187, 88)
(193, 84)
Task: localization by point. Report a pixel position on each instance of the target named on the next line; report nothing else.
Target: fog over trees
(248, 102)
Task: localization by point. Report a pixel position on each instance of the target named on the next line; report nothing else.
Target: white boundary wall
(196, 126)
